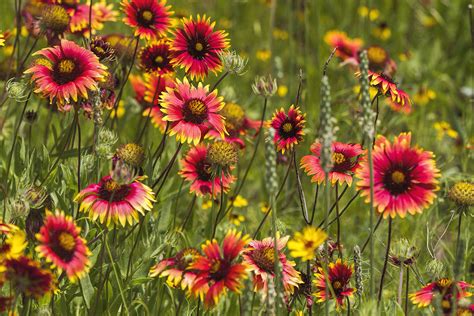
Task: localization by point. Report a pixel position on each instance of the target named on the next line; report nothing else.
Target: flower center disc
(197, 107)
(265, 259)
(199, 47)
(159, 59)
(66, 66)
(287, 127)
(336, 285)
(398, 177)
(377, 55)
(111, 186)
(66, 241)
(338, 158)
(147, 15)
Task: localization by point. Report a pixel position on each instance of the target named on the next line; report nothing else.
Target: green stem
(371, 222)
(387, 251)
(117, 277)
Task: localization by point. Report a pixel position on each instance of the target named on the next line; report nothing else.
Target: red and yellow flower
(176, 269)
(347, 48)
(13, 244)
(62, 245)
(192, 111)
(66, 72)
(339, 275)
(445, 288)
(28, 278)
(196, 46)
(150, 18)
(388, 87)
(218, 270)
(288, 128)
(405, 177)
(112, 202)
(345, 161)
(196, 168)
(260, 256)
(156, 57)
(155, 85)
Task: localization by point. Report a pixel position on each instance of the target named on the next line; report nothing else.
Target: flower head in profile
(218, 270)
(305, 244)
(113, 203)
(156, 57)
(444, 289)
(260, 256)
(150, 18)
(339, 275)
(196, 46)
(66, 72)
(197, 169)
(62, 245)
(345, 160)
(192, 111)
(405, 177)
(28, 278)
(288, 128)
(176, 269)
(388, 88)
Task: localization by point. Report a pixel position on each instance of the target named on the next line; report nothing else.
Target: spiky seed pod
(54, 18)
(17, 90)
(233, 63)
(358, 271)
(222, 155)
(326, 125)
(462, 193)
(102, 49)
(33, 223)
(270, 164)
(367, 119)
(265, 86)
(435, 268)
(132, 154)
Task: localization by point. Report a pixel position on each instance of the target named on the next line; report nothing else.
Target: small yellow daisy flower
(240, 201)
(206, 204)
(443, 128)
(119, 112)
(263, 54)
(236, 219)
(304, 245)
(364, 12)
(282, 91)
(423, 96)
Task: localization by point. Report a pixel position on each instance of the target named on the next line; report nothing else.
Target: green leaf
(87, 289)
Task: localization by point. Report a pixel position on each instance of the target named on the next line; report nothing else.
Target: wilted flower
(17, 90)
(403, 254)
(265, 86)
(233, 62)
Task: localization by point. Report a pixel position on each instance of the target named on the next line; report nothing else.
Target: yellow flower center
(131, 153)
(66, 66)
(338, 158)
(197, 107)
(158, 59)
(147, 15)
(269, 254)
(445, 304)
(376, 54)
(398, 177)
(336, 285)
(216, 265)
(234, 115)
(287, 127)
(199, 47)
(444, 282)
(222, 154)
(111, 186)
(66, 241)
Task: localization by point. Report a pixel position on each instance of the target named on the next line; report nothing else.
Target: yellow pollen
(269, 254)
(197, 107)
(336, 285)
(199, 47)
(216, 265)
(66, 241)
(445, 304)
(398, 177)
(338, 158)
(147, 15)
(159, 59)
(287, 127)
(376, 54)
(111, 185)
(444, 282)
(66, 66)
